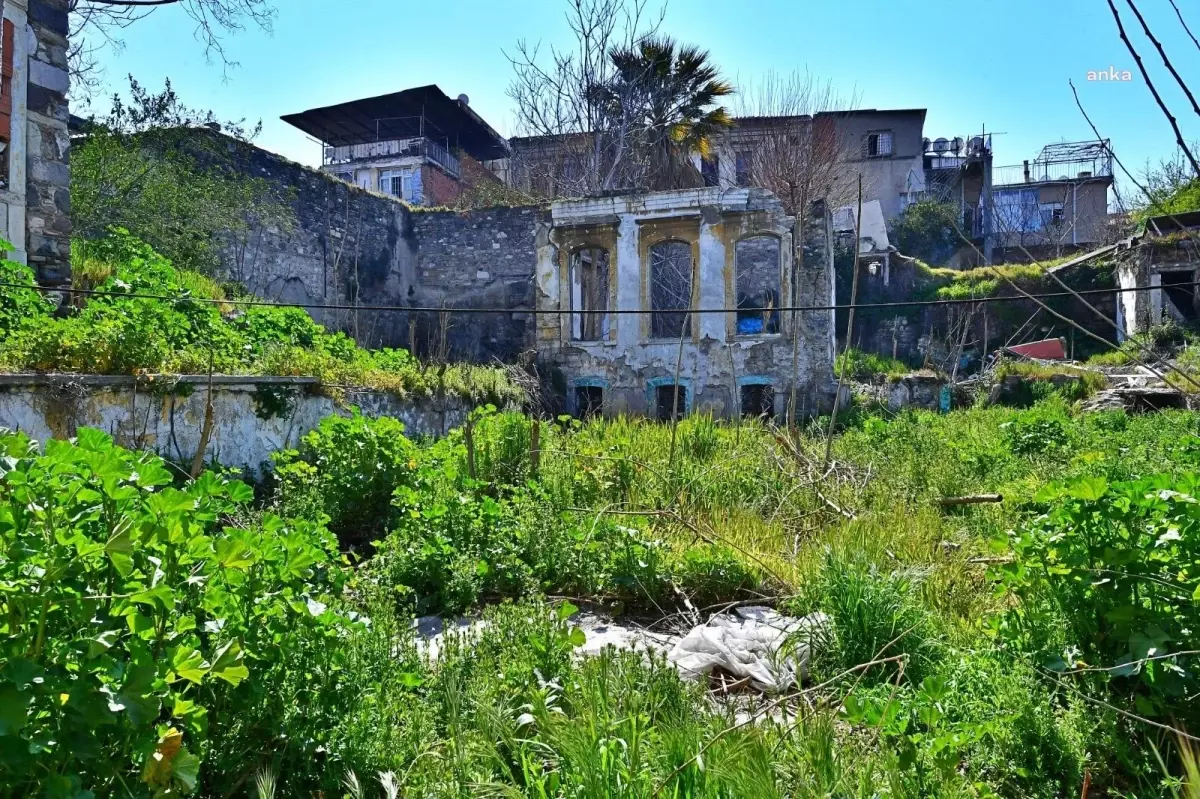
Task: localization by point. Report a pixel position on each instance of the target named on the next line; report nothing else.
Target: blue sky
(999, 63)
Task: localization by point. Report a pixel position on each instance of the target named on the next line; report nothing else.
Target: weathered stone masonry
(348, 245)
(35, 196)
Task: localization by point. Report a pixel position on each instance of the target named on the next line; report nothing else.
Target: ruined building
(34, 143)
(605, 293)
(670, 302)
(884, 145)
(1164, 259)
(1050, 206)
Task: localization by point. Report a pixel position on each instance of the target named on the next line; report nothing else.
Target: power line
(616, 311)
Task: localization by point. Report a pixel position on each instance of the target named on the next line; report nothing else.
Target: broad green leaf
(93, 440)
(240, 493)
(158, 596)
(1088, 489)
(120, 549)
(14, 709)
(170, 501)
(234, 553)
(102, 642)
(187, 770)
(189, 664)
(228, 665)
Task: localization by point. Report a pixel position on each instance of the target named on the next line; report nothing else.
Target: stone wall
(35, 187)
(252, 417)
(47, 202)
(344, 244)
(477, 259)
(348, 245)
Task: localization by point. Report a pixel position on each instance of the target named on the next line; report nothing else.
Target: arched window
(756, 263)
(589, 293)
(670, 289)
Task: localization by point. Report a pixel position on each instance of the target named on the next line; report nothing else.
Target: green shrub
(346, 471)
(1127, 553)
(855, 363)
(18, 304)
(134, 613)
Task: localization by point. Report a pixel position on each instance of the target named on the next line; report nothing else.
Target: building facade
(669, 302)
(417, 145)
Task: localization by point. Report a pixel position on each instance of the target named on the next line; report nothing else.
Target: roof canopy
(423, 111)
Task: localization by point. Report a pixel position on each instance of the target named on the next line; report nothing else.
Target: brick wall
(438, 188)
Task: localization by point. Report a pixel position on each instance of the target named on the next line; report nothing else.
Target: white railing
(352, 153)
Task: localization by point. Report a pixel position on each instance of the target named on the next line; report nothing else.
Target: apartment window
(742, 169)
(668, 396)
(589, 293)
(589, 400)
(879, 144)
(710, 170)
(756, 264)
(1052, 214)
(397, 183)
(757, 400)
(346, 176)
(670, 289)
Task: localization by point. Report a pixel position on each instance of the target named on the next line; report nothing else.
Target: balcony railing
(419, 147)
(1044, 172)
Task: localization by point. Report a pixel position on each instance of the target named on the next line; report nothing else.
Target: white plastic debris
(771, 650)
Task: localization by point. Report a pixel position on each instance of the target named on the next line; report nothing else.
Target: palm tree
(670, 94)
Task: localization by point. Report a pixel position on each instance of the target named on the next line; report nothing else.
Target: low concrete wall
(252, 416)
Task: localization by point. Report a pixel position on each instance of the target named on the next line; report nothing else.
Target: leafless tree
(794, 148)
(584, 143)
(97, 25)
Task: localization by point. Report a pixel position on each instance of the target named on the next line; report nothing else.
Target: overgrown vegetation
(159, 169)
(153, 317)
(861, 365)
(927, 230)
(162, 633)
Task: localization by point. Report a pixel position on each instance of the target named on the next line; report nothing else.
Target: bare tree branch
(1166, 61)
(1185, 25)
(1150, 84)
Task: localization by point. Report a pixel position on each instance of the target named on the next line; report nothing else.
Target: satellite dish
(925, 144)
(976, 144)
(957, 145)
(462, 98)
(941, 146)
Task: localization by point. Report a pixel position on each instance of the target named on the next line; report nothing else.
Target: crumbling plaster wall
(712, 361)
(1144, 267)
(253, 417)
